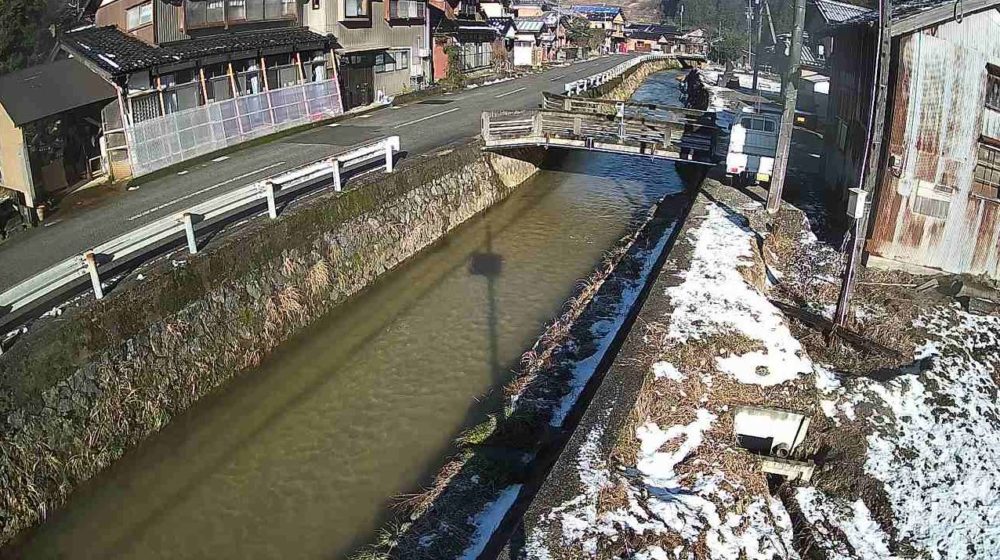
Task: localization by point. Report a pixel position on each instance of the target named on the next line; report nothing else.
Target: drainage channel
(301, 458)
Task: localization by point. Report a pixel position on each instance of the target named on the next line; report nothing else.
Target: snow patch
(714, 299)
(488, 520)
(667, 370)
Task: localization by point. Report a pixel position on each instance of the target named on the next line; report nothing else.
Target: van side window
(768, 126)
(746, 123)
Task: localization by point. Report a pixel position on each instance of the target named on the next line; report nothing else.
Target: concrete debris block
(792, 470)
(982, 306)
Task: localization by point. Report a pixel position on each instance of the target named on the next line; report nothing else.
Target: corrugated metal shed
(927, 213)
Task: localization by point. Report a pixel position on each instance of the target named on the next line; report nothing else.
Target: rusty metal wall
(926, 214)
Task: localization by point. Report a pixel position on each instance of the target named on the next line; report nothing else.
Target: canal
(301, 458)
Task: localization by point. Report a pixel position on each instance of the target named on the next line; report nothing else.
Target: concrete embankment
(81, 389)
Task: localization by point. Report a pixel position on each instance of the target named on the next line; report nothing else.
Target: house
(694, 42)
(210, 78)
(459, 25)
(382, 46)
(820, 16)
(527, 50)
(50, 129)
(644, 41)
(936, 200)
(609, 18)
(527, 8)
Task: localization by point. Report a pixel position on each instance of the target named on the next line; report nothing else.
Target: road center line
(204, 190)
(558, 77)
(510, 93)
(441, 114)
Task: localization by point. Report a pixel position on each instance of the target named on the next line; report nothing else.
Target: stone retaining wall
(79, 391)
(622, 88)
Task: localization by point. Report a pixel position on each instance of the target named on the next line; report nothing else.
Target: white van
(753, 142)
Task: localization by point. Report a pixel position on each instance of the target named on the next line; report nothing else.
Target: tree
(580, 34)
(728, 47)
(24, 39)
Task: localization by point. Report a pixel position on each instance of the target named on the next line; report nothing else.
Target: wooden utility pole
(759, 15)
(870, 164)
(788, 115)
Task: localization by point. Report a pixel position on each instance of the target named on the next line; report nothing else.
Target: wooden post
(788, 115)
(188, 220)
(159, 93)
(337, 187)
(95, 279)
(298, 65)
(267, 89)
(232, 80)
(388, 157)
(272, 208)
(204, 86)
(236, 96)
(870, 165)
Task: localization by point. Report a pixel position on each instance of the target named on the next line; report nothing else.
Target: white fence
(583, 84)
(73, 271)
(163, 141)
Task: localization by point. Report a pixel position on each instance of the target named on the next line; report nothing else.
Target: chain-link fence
(159, 142)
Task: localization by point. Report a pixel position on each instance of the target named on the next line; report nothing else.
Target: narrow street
(422, 127)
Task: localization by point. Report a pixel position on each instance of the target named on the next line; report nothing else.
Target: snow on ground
(605, 331)
(715, 300)
(663, 502)
(488, 520)
(846, 531)
(934, 444)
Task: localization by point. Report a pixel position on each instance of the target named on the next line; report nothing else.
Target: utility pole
(788, 115)
(759, 14)
(869, 165)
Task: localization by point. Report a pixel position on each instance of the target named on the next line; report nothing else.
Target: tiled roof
(119, 53)
(501, 24)
(836, 12)
(643, 35)
(903, 10)
(529, 25)
(597, 13)
(49, 89)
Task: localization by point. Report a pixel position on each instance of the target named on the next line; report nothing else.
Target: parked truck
(753, 142)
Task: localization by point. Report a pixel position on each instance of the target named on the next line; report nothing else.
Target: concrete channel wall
(81, 389)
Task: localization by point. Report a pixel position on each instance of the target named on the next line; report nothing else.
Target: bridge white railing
(71, 272)
(583, 84)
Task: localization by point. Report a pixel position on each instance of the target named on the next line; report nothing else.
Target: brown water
(299, 458)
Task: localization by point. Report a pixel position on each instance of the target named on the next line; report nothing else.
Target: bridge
(603, 125)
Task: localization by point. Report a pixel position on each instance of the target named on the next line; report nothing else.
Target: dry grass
(318, 279)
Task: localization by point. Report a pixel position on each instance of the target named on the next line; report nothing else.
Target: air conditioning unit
(423, 52)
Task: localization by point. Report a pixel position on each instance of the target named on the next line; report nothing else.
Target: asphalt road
(422, 127)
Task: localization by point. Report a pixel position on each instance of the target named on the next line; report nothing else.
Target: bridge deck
(607, 126)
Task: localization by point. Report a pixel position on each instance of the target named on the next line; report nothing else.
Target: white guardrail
(583, 84)
(74, 270)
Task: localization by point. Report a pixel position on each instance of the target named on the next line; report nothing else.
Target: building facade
(937, 196)
(202, 75)
(382, 46)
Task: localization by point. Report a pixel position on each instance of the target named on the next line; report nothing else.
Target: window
(993, 87)
(140, 15)
(354, 8)
(986, 177)
(237, 9)
(392, 61)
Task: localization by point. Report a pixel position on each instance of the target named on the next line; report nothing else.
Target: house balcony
(225, 13)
